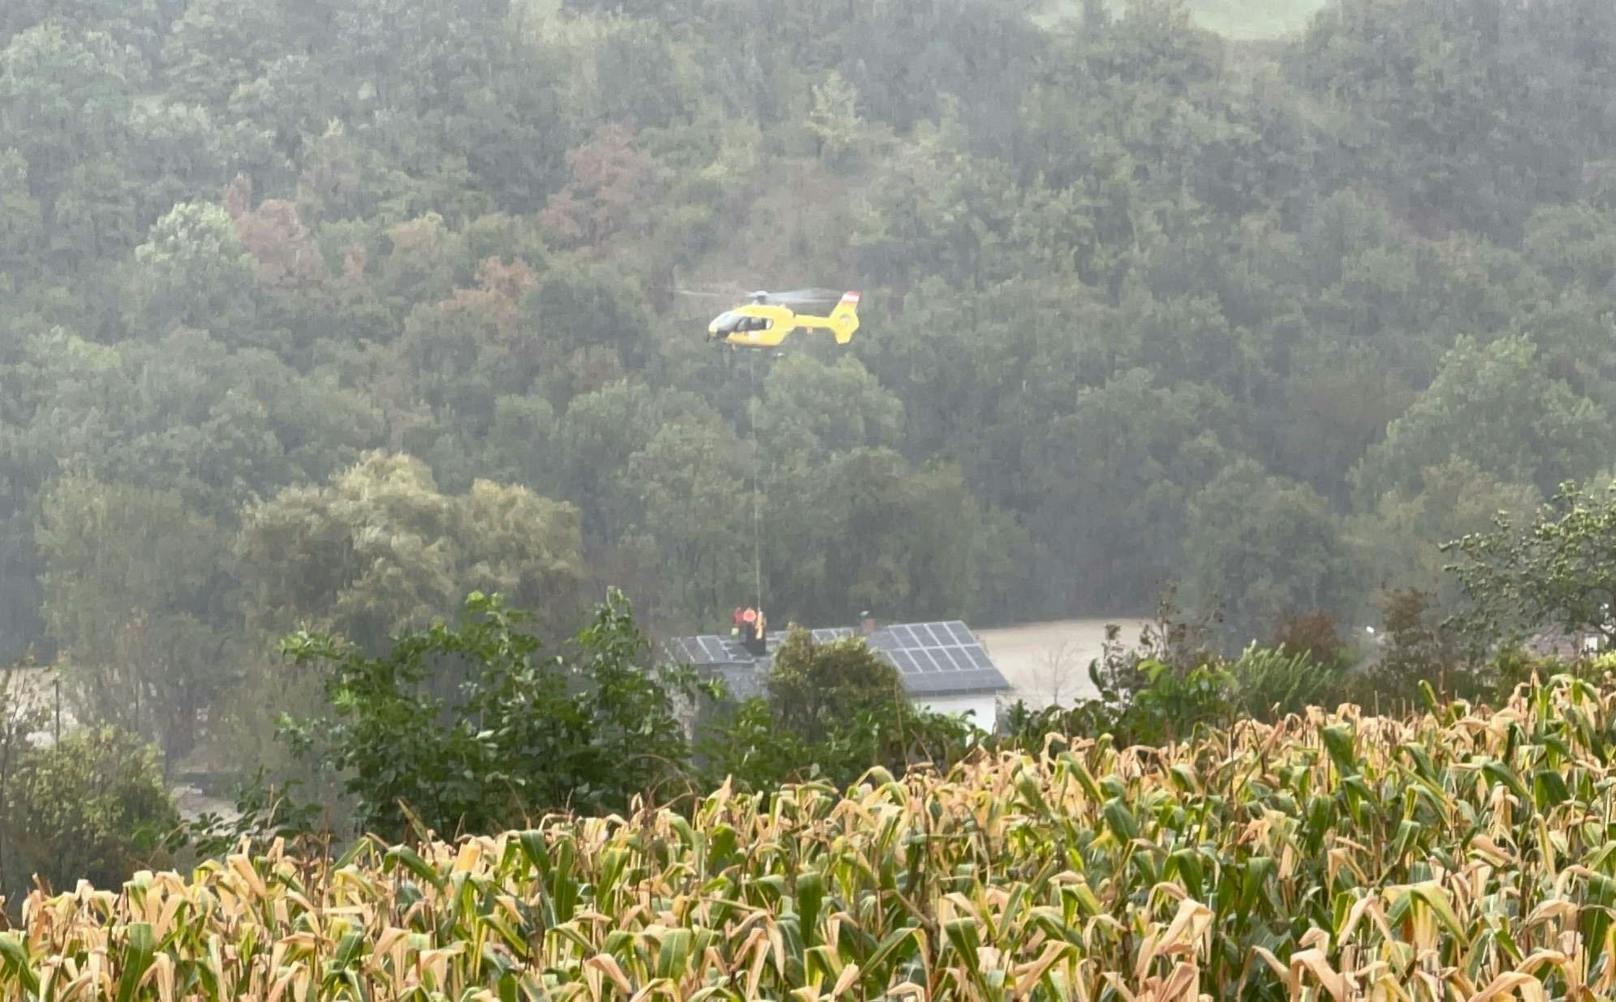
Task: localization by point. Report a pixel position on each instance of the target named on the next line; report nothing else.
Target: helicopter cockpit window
(728, 323)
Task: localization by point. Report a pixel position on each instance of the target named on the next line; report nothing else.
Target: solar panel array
(932, 647)
(932, 657)
(708, 650)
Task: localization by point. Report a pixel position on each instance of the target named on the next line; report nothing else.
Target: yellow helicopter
(770, 317)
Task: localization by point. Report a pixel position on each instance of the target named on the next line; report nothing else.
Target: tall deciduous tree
(193, 272)
(690, 490)
(139, 597)
(381, 549)
(1492, 405)
(1262, 547)
(1554, 569)
(864, 529)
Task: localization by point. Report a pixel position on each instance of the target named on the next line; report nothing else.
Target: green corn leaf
(1121, 821)
(1549, 789)
(1434, 898)
(1085, 778)
(1498, 772)
(15, 956)
(139, 949)
(895, 948)
(1259, 872)
(1338, 743)
(1185, 864)
(810, 895)
(673, 956)
(418, 867)
(962, 935)
(1408, 834)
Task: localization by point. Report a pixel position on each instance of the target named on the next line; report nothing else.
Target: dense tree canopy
(331, 312)
(381, 548)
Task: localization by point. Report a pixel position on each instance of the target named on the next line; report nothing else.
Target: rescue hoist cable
(757, 487)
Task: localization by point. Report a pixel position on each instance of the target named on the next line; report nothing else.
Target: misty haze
(1122, 464)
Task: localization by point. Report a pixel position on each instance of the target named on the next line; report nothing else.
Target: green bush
(832, 710)
(93, 806)
(469, 728)
(1267, 681)
(1421, 648)
(1171, 684)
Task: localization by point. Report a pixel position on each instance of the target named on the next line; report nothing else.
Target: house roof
(933, 659)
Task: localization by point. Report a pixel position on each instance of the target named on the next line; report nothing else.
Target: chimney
(866, 623)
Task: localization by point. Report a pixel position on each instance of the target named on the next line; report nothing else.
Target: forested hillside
(332, 312)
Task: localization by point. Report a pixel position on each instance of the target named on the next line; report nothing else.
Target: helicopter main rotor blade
(805, 296)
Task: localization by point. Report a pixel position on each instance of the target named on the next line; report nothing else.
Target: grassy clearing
(1246, 20)
(1255, 19)
(1459, 854)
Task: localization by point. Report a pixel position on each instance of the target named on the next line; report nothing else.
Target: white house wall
(983, 706)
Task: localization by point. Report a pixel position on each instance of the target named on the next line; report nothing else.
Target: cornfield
(1462, 854)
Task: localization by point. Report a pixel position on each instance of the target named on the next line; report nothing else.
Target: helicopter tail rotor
(844, 318)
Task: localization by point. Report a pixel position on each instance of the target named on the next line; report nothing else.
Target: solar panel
(709, 650)
(933, 648)
(933, 658)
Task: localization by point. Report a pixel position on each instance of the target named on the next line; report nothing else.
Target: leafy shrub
(1557, 571)
(1419, 648)
(92, 806)
(515, 733)
(1161, 688)
(833, 710)
(263, 813)
(743, 742)
(1170, 684)
(1266, 681)
(815, 689)
(1176, 700)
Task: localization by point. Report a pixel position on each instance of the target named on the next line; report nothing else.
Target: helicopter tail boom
(842, 322)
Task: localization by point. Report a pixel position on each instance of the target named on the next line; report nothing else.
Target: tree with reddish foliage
(1313, 634)
(613, 181)
(274, 234)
